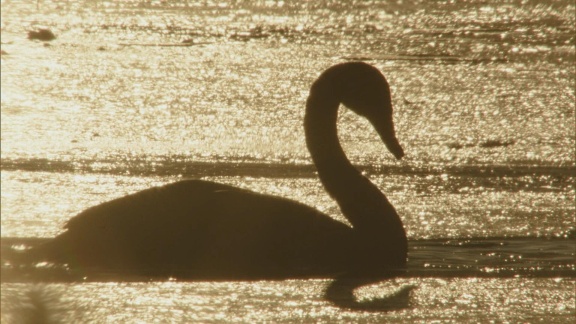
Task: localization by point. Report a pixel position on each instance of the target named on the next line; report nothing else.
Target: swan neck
(320, 124)
(374, 219)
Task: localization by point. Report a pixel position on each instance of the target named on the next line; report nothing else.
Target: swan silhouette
(204, 230)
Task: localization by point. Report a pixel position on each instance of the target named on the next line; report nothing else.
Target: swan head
(363, 89)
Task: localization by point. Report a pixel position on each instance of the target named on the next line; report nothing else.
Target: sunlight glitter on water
(152, 96)
(460, 300)
(484, 106)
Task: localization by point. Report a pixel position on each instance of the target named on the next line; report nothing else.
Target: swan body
(204, 230)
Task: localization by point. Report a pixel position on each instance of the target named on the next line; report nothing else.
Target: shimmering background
(484, 105)
(296, 301)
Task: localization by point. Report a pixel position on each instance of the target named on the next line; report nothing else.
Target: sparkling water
(134, 94)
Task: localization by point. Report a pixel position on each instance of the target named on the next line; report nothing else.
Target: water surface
(483, 94)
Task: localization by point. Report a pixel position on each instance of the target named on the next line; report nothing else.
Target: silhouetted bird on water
(204, 230)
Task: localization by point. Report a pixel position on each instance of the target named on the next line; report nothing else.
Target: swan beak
(395, 148)
(385, 129)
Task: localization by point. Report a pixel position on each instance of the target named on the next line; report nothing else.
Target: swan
(203, 230)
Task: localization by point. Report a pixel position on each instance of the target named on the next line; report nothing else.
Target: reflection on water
(484, 106)
(458, 299)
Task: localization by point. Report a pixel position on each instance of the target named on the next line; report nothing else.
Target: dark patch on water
(187, 167)
(496, 143)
